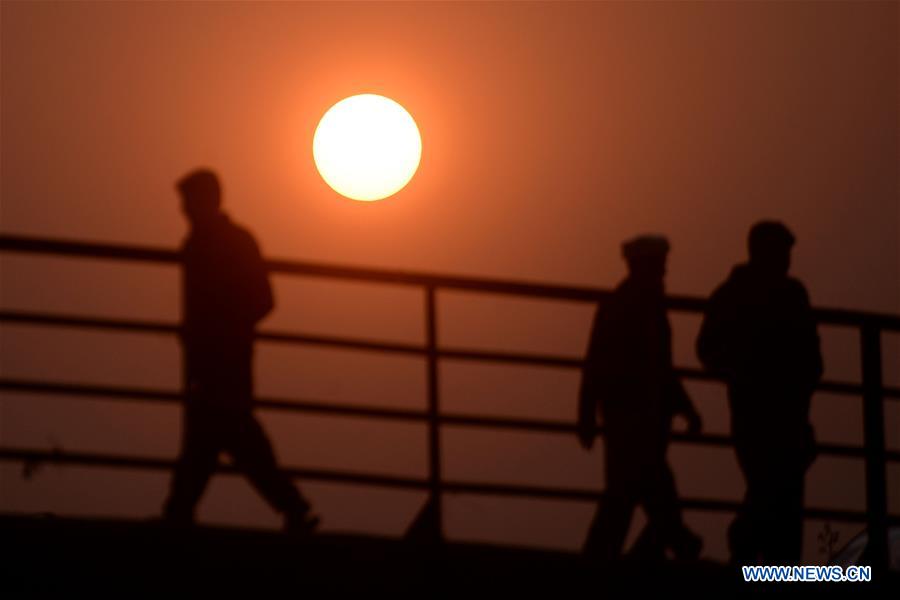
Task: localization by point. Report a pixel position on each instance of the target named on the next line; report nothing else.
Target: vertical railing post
(434, 425)
(428, 525)
(873, 430)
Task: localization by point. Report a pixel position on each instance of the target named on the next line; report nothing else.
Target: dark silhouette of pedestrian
(629, 377)
(226, 292)
(759, 332)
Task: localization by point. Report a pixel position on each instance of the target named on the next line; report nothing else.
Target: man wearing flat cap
(630, 381)
(759, 333)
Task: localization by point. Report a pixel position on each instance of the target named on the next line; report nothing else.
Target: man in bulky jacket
(226, 292)
(759, 332)
(629, 377)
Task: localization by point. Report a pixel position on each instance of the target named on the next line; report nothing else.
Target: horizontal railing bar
(539, 360)
(81, 389)
(338, 342)
(837, 387)
(703, 439)
(575, 363)
(113, 251)
(131, 325)
(167, 328)
(135, 462)
(140, 462)
(476, 284)
(35, 245)
(318, 407)
(172, 397)
(710, 505)
(31, 318)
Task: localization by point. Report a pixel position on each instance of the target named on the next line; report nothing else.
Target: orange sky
(551, 131)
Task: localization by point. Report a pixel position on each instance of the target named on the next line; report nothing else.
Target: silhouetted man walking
(760, 333)
(629, 376)
(226, 292)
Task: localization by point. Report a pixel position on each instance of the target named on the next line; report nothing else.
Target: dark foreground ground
(56, 557)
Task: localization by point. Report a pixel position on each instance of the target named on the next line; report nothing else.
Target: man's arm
(588, 392)
(682, 405)
(712, 342)
(810, 344)
(254, 278)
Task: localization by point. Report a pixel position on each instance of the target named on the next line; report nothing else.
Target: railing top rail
(477, 284)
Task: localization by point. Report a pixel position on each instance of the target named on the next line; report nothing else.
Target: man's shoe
(688, 545)
(301, 524)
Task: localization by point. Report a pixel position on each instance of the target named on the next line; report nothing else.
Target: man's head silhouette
(200, 196)
(770, 245)
(646, 257)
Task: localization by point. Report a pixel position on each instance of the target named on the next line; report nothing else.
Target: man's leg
(196, 464)
(253, 455)
(745, 533)
(742, 539)
(665, 527)
(784, 526)
(649, 546)
(606, 536)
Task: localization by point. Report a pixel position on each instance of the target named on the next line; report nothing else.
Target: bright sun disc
(367, 147)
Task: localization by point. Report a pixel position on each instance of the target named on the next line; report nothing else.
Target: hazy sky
(551, 131)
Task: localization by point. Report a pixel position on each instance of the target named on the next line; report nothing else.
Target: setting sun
(367, 147)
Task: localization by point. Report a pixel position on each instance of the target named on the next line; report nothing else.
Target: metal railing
(428, 523)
